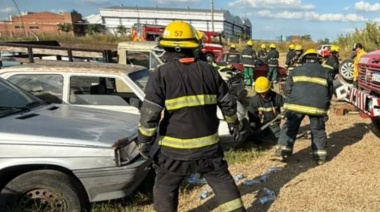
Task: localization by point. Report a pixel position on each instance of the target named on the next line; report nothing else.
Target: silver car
(60, 157)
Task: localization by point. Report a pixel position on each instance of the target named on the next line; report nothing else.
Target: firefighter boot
(281, 153)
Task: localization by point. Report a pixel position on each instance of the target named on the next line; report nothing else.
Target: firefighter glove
(233, 127)
(144, 149)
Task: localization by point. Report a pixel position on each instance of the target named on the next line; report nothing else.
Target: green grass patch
(246, 153)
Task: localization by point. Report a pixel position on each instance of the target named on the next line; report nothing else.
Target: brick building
(41, 23)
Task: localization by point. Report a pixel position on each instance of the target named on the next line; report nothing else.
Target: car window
(138, 58)
(13, 96)
(154, 62)
(140, 78)
(90, 90)
(48, 87)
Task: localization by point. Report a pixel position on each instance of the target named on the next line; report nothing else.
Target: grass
(247, 153)
(142, 199)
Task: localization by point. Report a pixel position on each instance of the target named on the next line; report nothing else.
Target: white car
(117, 87)
(60, 157)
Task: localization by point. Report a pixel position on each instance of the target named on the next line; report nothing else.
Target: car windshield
(14, 99)
(140, 78)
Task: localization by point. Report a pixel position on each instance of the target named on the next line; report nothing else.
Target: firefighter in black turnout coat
(188, 91)
(308, 91)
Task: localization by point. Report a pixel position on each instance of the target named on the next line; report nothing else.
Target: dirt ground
(349, 181)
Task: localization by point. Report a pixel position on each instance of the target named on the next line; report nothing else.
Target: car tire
(346, 70)
(49, 189)
(210, 57)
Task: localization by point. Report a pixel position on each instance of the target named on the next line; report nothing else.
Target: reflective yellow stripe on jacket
(305, 109)
(247, 56)
(146, 131)
(266, 109)
(189, 143)
(328, 66)
(190, 101)
(231, 205)
(316, 80)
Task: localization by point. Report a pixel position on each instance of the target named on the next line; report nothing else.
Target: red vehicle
(146, 32)
(366, 96)
(212, 44)
(261, 68)
(212, 41)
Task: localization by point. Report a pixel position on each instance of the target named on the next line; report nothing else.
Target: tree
(121, 29)
(66, 27)
(91, 29)
(305, 37)
(324, 41)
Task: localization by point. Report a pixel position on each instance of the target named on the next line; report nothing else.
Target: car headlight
(127, 154)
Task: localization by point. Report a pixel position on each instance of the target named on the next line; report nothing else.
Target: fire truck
(146, 32)
(212, 44)
(212, 41)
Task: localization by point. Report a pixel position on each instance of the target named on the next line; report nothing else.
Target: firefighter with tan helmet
(308, 92)
(272, 57)
(188, 91)
(264, 107)
(249, 58)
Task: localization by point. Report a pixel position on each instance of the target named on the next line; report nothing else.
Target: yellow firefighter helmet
(179, 34)
(334, 48)
(262, 85)
(298, 47)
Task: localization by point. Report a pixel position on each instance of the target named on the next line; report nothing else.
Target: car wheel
(210, 57)
(43, 190)
(346, 70)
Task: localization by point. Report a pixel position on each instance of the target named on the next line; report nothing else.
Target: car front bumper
(114, 182)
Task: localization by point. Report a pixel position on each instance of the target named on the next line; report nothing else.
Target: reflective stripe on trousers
(291, 127)
(170, 173)
(231, 205)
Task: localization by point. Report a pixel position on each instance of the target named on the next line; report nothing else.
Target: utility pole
(212, 15)
(20, 17)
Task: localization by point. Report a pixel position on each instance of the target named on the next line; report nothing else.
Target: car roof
(82, 67)
(146, 45)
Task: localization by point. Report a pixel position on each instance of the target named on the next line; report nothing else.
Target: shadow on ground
(299, 163)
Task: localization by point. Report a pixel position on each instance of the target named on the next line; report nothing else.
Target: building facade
(40, 23)
(223, 21)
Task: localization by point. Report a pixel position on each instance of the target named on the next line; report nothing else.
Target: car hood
(68, 125)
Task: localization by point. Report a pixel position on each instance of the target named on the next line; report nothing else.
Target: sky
(270, 18)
